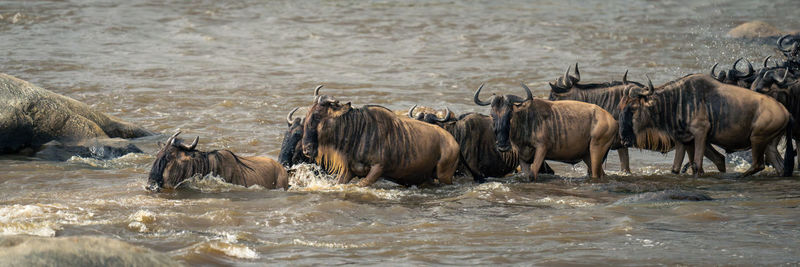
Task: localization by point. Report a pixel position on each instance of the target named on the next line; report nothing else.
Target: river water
(229, 71)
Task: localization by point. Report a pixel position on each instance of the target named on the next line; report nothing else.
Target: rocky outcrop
(31, 116)
(758, 30)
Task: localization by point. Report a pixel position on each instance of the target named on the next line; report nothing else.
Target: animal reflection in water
(176, 162)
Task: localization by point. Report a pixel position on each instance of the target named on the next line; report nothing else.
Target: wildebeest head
(793, 53)
(175, 159)
(778, 77)
(431, 117)
(565, 84)
(635, 112)
(324, 107)
(733, 75)
(292, 147)
(502, 111)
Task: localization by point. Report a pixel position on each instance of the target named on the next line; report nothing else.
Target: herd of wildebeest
(734, 110)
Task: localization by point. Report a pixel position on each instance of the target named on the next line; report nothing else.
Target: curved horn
(528, 94)
(411, 111)
(718, 78)
(766, 60)
(780, 44)
(316, 90)
(194, 143)
(477, 99)
(567, 81)
(749, 68)
(781, 80)
(577, 73)
(289, 116)
(171, 140)
(625, 77)
(447, 115)
(650, 88)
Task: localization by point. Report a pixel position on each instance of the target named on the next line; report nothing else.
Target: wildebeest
(478, 154)
(567, 131)
(697, 109)
(176, 162)
(608, 96)
(734, 76)
(291, 147)
(31, 116)
(783, 89)
(373, 142)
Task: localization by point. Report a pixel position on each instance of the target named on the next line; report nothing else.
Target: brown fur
(374, 142)
(567, 131)
(176, 163)
(697, 109)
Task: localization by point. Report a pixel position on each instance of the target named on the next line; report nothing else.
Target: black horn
(194, 143)
(477, 99)
(625, 77)
(171, 140)
(577, 73)
(567, 81)
(316, 90)
(289, 119)
(650, 88)
(528, 94)
(411, 111)
(780, 44)
(766, 60)
(749, 68)
(447, 115)
(718, 78)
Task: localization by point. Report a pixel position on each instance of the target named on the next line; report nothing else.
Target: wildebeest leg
(546, 169)
(680, 150)
(538, 159)
(375, 172)
(757, 151)
(345, 177)
(699, 128)
(525, 168)
(588, 161)
(446, 167)
(717, 158)
(598, 153)
(773, 157)
(624, 160)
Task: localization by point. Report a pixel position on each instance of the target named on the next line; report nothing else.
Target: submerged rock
(31, 116)
(77, 251)
(664, 196)
(97, 148)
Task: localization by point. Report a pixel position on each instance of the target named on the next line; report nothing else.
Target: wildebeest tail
(788, 158)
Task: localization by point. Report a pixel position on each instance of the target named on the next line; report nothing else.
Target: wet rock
(31, 116)
(77, 251)
(103, 149)
(664, 196)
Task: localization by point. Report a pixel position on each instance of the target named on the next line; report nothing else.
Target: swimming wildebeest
(372, 141)
(478, 154)
(291, 146)
(697, 109)
(567, 131)
(608, 96)
(176, 162)
(31, 116)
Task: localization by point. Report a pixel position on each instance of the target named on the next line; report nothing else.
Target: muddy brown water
(229, 71)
